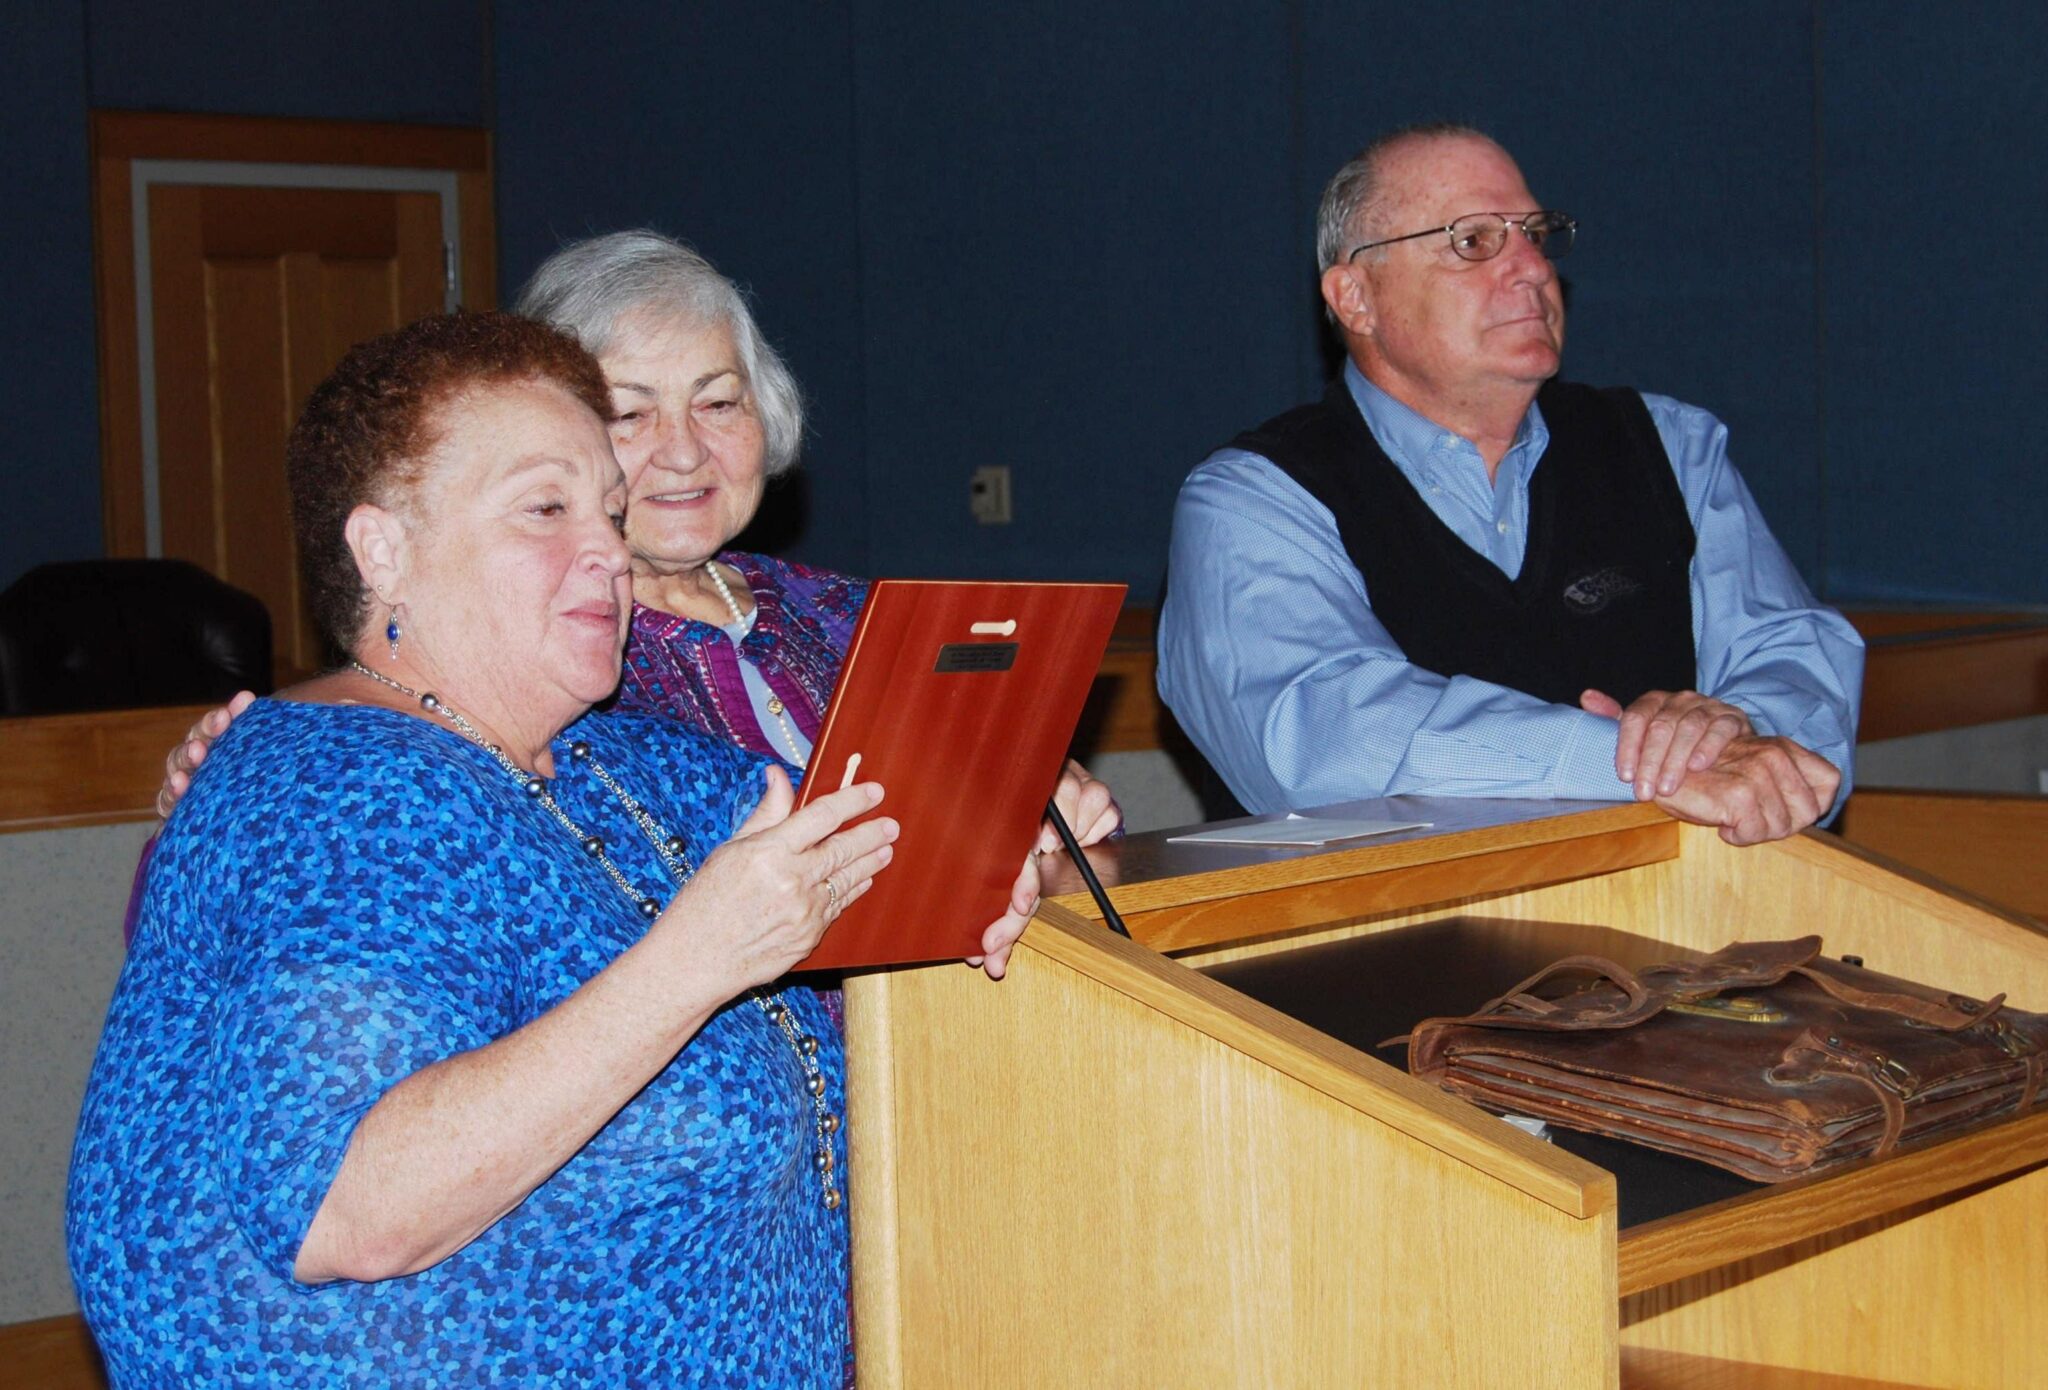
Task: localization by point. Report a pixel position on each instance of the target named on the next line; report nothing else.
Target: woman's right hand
(184, 760)
(761, 901)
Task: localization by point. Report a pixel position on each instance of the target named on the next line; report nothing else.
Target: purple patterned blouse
(690, 670)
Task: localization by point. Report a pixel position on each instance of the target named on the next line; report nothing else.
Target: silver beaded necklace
(775, 705)
(675, 857)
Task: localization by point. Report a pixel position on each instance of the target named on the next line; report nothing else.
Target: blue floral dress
(347, 895)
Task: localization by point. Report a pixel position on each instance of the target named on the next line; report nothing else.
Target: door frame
(132, 151)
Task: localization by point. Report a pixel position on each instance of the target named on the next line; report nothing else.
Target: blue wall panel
(367, 60)
(1078, 260)
(1077, 241)
(48, 399)
(729, 128)
(1934, 212)
(380, 60)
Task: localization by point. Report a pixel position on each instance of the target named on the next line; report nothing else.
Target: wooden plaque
(960, 699)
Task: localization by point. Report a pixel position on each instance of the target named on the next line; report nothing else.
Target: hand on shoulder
(184, 760)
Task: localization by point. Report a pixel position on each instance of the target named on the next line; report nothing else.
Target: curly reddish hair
(366, 432)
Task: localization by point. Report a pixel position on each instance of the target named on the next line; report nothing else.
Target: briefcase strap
(1950, 1013)
(1815, 1052)
(1521, 1008)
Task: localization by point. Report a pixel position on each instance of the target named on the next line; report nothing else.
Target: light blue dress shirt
(1273, 662)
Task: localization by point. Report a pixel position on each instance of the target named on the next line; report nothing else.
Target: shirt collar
(1419, 446)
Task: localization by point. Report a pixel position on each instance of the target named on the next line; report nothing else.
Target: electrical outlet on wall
(988, 495)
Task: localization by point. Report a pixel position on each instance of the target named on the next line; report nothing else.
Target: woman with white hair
(742, 645)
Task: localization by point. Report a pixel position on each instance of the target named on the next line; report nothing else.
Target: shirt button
(1501, 526)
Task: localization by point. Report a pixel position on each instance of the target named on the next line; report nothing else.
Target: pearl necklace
(675, 857)
(775, 705)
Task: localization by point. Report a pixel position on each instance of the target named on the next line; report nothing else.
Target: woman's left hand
(1002, 933)
(1092, 814)
(1089, 807)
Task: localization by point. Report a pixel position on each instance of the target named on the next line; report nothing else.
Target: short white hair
(588, 287)
(1354, 193)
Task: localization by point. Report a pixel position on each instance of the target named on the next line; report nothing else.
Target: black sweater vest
(1604, 598)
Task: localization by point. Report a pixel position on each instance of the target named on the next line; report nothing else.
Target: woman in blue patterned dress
(448, 1051)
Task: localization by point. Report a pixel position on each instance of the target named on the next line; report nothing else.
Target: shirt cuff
(1585, 766)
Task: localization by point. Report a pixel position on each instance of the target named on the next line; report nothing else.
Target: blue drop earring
(391, 634)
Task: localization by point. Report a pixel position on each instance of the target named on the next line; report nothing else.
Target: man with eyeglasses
(1457, 575)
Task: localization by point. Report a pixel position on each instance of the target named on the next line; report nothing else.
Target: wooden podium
(1112, 1169)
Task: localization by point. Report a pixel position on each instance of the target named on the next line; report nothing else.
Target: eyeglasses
(1479, 236)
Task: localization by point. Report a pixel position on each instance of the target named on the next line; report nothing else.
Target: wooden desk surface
(1174, 896)
(1645, 1369)
(86, 769)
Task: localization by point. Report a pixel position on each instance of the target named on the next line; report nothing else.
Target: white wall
(2006, 757)
(61, 897)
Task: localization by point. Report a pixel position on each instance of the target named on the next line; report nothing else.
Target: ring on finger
(831, 894)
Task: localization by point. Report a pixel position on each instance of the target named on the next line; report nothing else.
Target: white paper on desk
(1296, 830)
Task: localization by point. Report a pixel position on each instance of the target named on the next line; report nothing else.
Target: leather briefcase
(1764, 1058)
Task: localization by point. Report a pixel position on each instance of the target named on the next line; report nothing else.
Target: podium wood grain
(1111, 1169)
(1148, 1254)
(1988, 845)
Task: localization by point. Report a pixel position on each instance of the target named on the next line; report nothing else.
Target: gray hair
(589, 286)
(1352, 197)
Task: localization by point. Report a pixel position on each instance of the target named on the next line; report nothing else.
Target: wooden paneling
(1916, 685)
(1661, 1252)
(1124, 713)
(1315, 1060)
(1993, 846)
(188, 467)
(1170, 886)
(1951, 1292)
(1901, 923)
(479, 253)
(247, 301)
(1644, 1368)
(1123, 1245)
(129, 135)
(1876, 623)
(237, 221)
(1372, 894)
(872, 1152)
(257, 294)
(50, 1354)
(1868, 1276)
(87, 769)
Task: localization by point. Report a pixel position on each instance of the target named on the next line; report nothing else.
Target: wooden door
(265, 250)
(257, 294)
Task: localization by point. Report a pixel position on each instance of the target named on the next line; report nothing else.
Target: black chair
(122, 634)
